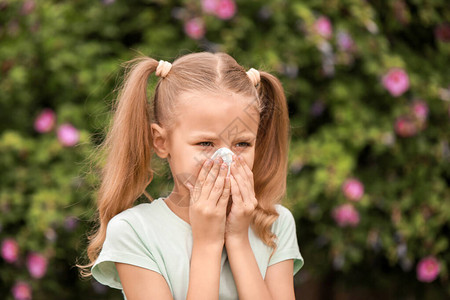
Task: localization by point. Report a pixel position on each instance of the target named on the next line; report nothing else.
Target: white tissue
(227, 156)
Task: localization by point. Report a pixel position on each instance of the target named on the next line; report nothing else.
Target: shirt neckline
(173, 215)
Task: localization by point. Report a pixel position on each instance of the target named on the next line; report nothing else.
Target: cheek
(195, 160)
(249, 160)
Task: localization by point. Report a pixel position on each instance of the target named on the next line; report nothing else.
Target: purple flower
(225, 9)
(353, 189)
(396, 81)
(45, 121)
(68, 135)
(317, 108)
(428, 269)
(323, 27)
(195, 28)
(345, 41)
(346, 215)
(420, 110)
(10, 250)
(50, 234)
(21, 291)
(405, 127)
(37, 265)
(70, 223)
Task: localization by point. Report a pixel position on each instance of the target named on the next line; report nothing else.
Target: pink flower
(442, 33)
(405, 127)
(353, 189)
(21, 291)
(225, 9)
(323, 27)
(37, 265)
(45, 121)
(10, 250)
(346, 215)
(27, 7)
(428, 269)
(396, 81)
(195, 28)
(210, 6)
(420, 110)
(68, 135)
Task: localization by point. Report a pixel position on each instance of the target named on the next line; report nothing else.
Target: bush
(368, 90)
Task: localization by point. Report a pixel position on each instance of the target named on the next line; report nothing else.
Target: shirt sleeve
(123, 245)
(287, 245)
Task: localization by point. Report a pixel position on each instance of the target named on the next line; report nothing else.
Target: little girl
(222, 232)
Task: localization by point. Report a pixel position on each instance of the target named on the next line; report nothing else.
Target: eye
(245, 143)
(204, 143)
(207, 144)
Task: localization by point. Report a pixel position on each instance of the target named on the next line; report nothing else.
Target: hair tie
(163, 68)
(254, 76)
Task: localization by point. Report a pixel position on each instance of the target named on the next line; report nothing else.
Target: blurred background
(368, 86)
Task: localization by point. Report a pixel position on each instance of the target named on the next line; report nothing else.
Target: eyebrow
(211, 136)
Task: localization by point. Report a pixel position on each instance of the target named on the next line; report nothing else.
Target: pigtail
(271, 164)
(128, 150)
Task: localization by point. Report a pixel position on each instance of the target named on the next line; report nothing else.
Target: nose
(225, 153)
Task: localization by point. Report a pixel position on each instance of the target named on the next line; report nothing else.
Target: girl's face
(205, 123)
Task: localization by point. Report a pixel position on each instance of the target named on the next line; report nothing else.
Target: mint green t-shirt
(152, 236)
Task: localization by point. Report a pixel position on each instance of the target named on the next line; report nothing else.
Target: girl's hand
(208, 202)
(244, 201)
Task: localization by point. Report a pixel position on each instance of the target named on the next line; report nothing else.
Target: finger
(245, 186)
(223, 200)
(247, 171)
(210, 179)
(249, 193)
(240, 180)
(207, 164)
(217, 189)
(235, 193)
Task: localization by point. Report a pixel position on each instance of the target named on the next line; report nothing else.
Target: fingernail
(223, 166)
(241, 159)
(209, 162)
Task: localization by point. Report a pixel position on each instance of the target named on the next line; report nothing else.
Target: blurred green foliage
(66, 56)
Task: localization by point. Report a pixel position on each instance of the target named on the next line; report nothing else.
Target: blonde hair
(128, 144)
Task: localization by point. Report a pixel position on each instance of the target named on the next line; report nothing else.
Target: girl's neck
(179, 204)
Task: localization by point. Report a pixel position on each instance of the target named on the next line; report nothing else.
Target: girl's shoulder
(140, 212)
(283, 211)
(285, 218)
